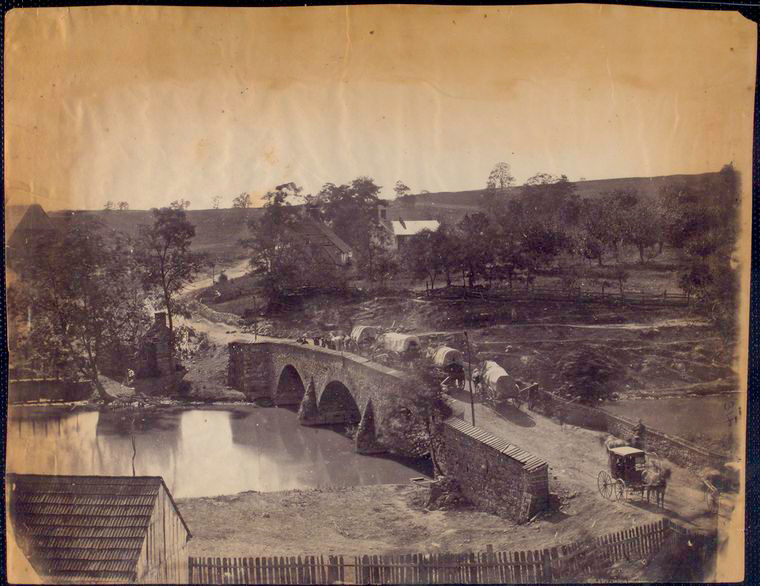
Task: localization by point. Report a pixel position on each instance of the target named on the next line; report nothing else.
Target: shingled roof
(529, 462)
(83, 528)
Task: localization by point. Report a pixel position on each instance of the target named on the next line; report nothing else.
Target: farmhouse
(98, 529)
(400, 231)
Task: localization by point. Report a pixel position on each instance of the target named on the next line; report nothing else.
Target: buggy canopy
(399, 342)
(444, 356)
(363, 333)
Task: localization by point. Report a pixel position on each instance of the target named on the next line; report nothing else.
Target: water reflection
(200, 452)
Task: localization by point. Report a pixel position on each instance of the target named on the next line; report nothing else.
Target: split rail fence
(562, 563)
(557, 294)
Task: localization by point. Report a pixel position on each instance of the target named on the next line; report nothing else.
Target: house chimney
(160, 317)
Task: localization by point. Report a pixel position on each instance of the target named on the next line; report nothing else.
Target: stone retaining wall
(493, 474)
(29, 390)
(675, 449)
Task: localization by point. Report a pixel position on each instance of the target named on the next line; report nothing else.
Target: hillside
(217, 232)
(646, 186)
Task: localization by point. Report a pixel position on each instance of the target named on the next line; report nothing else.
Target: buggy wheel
(619, 490)
(605, 484)
(711, 500)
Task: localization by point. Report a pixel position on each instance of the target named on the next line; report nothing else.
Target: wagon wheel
(619, 490)
(605, 484)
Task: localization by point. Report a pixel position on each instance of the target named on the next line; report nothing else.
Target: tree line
(85, 294)
(543, 226)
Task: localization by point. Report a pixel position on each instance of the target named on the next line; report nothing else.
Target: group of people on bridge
(331, 341)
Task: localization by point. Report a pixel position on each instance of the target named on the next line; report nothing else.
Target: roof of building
(320, 234)
(25, 218)
(84, 528)
(412, 227)
(529, 462)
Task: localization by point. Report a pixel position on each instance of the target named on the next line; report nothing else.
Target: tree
(352, 212)
(401, 189)
(242, 201)
(279, 250)
(621, 276)
(421, 257)
(180, 204)
(109, 205)
(641, 228)
(477, 238)
(500, 177)
(549, 197)
(702, 221)
(166, 262)
(123, 205)
(415, 418)
(216, 201)
(540, 245)
(386, 266)
(81, 292)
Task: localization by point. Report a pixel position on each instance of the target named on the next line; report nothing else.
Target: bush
(587, 375)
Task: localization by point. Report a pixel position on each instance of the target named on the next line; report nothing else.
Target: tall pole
(469, 367)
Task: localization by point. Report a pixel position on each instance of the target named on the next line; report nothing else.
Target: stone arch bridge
(329, 386)
(334, 387)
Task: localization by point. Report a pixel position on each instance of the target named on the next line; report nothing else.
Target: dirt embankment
(380, 519)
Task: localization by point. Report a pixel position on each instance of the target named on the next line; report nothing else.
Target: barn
(98, 529)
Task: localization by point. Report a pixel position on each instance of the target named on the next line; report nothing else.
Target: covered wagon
(400, 343)
(445, 355)
(361, 335)
(495, 383)
(403, 347)
(449, 360)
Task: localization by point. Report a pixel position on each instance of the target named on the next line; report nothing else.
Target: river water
(199, 452)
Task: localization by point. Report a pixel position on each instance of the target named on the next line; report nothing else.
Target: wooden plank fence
(565, 562)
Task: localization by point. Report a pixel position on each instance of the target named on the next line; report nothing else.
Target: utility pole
(469, 367)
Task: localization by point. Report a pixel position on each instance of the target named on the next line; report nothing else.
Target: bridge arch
(290, 388)
(336, 404)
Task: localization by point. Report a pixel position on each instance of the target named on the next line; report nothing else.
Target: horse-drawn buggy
(632, 471)
(496, 386)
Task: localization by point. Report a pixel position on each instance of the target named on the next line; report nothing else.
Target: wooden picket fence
(562, 563)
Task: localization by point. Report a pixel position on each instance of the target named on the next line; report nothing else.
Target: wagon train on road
(632, 472)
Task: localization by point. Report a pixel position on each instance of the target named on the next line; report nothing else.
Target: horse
(614, 442)
(656, 482)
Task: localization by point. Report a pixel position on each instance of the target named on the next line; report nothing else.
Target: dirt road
(576, 457)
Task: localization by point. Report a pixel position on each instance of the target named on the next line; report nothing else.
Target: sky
(152, 104)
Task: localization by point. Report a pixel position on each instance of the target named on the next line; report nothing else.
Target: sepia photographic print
(377, 294)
